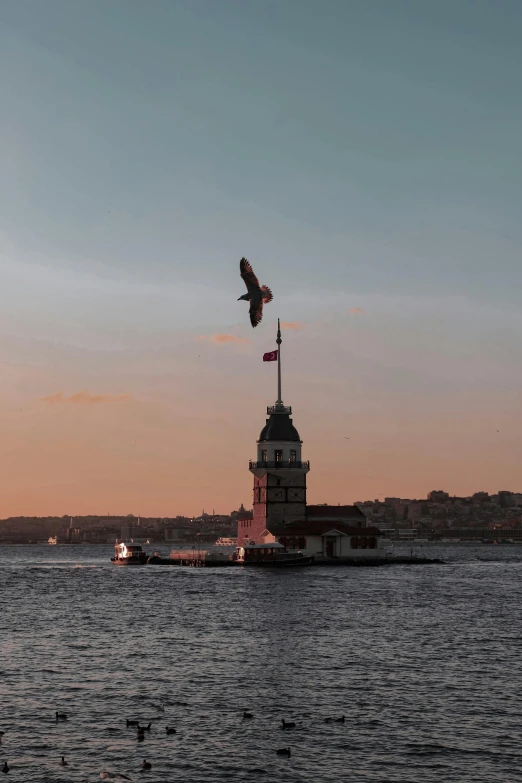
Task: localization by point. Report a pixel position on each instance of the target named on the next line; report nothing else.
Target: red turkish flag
(270, 357)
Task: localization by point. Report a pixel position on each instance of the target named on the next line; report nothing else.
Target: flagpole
(279, 341)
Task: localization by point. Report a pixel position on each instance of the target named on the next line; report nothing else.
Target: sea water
(424, 662)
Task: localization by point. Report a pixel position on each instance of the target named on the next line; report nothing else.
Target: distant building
(177, 533)
(438, 496)
(506, 498)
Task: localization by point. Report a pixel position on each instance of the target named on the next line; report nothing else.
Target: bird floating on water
(5, 768)
(287, 724)
(247, 714)
(284, 752)
(61, 716)
(63, 762)
(146, 764)
(170, 730)
(257, 295)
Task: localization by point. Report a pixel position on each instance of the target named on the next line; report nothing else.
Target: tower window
(278, 455)
(293, 455)
(264, 456)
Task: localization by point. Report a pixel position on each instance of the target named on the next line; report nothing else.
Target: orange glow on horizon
(179, 439)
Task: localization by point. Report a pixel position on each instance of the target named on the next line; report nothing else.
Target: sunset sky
(363, 154)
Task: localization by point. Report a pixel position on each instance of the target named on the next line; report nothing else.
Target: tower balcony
(279, 464)
(279, 408)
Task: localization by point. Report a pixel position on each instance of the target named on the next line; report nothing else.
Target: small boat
(272, 555)
(129, 554)
(222, 553)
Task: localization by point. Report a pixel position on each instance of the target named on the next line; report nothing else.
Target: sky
(364, 155)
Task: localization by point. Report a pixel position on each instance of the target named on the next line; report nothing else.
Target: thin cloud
(295, 325)
(83, 398)
(220, 339)
(356, 311)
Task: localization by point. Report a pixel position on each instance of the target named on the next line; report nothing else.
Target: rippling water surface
(424, 661)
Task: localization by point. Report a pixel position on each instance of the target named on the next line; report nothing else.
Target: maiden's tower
(280, 509)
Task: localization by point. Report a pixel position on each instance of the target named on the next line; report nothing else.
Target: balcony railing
(279, 409)
(280, 464)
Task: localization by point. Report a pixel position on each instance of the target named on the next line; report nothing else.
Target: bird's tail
(267, 294)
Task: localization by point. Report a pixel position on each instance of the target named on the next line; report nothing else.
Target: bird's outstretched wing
(256, 311)
(247, 273)
(267, 294)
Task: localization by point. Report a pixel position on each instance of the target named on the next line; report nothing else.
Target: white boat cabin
(124, 551)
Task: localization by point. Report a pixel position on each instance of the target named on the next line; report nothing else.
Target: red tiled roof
(333, 512)
(311, 527)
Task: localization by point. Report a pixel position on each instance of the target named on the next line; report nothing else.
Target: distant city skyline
(364, 156)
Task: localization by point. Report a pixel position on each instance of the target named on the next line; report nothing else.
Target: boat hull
(128, 561)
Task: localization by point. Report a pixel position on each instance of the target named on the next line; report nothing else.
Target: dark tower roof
(279, 427)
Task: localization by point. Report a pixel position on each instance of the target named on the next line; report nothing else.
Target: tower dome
(279, 427)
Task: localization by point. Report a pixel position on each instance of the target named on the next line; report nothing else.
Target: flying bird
(257, 295)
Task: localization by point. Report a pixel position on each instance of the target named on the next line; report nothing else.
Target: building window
(293, 455)
(264, 456)
(278, 455)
